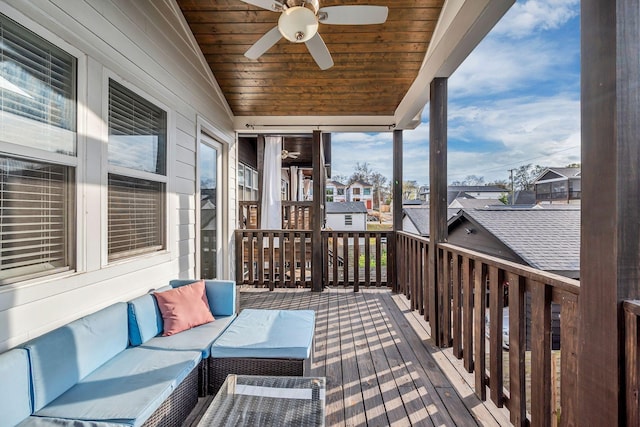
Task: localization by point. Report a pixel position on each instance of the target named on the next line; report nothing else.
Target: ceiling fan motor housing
(298, 24)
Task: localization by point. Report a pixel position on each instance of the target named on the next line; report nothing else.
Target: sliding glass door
(210, 206)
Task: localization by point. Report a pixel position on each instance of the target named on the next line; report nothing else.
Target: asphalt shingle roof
(546, 239)
(345, 207)
(420, 218)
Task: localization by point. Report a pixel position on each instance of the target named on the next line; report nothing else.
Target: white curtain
(307, 189)
(271, 203)
(300, 185)
(293, 183)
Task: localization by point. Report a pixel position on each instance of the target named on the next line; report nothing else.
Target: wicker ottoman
(263, 342)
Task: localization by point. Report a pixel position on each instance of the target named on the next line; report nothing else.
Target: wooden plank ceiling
(374, 64)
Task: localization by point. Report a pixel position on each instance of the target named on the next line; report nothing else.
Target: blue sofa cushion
(60, 422)
(221, 295)
(199, 338)
(15, 387)
(145, 319)
(267, 334)
(125, 390)
(64, 356)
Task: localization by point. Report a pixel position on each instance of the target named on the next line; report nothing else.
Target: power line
(500, 168)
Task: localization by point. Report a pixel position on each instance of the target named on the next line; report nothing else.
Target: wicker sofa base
(219, 368)
(176, 408)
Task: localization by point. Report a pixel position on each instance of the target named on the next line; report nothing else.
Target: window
(37, 91)
(37, 196)
(366, 191)
(348, 220)
(329, 191)
(356, 191)
(247, 183)
(340, 191)
(329, 198)
(137, 174)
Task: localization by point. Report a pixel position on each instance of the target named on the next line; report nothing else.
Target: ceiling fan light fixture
(298, 24)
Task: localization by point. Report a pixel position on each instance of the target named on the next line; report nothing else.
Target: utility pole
(513, 195)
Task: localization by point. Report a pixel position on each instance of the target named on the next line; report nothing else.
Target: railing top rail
(563, 283)
(632, 306)
(296, 203)
(277, 230)
(372, 232)
(413, 236)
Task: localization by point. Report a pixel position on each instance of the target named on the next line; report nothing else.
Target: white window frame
(133, 173)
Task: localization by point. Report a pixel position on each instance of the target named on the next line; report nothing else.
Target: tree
(523, 176)
(363, 172)
(469, 180)
(410, 190)
(502, 183)
(340, 178)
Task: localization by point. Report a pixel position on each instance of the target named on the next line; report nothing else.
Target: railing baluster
(446, 297)
(367, 259)
(496, 292)
(480, 293)
(336, 259)
(425, 283)
(356, 261)
(271, 262)
(251, 258)
(261, 248)
(467, 313)
(517, 347)
(292, 260)
(457, 306)
(345, 258)
(632, 368)
(303, 262)
(569, 360)
(378, 258)
(540, 354)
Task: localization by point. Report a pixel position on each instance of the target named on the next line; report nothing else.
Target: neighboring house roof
(345, 207)
(407, 202)
(464, 203)
(476, 188)
(546, 239)
(336, 184)
(556, 173)
(419, 217)
(523, 197)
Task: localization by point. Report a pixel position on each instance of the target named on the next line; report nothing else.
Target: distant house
(415, 220)
(336, 192)
(558, 185)
(522, 198)
(412, 203)
(464, 203)
(360, 191)
(346, 216)
(546, 239)
(468, 192)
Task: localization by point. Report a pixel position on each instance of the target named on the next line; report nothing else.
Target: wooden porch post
(437, 203)
(317, 212)
(396, 189)
(610, 248)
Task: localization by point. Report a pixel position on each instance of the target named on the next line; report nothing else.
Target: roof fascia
(297, 124)
(461, 26)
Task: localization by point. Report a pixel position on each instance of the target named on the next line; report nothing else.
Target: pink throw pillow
(184, 308)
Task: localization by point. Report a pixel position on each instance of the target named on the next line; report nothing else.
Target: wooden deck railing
(471, 293)
(273, 258)
(358, 258)
(632, 362)
(295, 215)
(267, 258)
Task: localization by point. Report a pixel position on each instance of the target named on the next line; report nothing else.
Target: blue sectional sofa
(112, 368)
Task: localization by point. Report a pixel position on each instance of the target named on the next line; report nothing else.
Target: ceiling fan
(299, 20)
(289, 154)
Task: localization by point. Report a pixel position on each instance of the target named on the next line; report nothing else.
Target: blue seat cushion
(127, 389)
(15, 387)
(64, 356)
(284, 334)
(199, 338)
(145, 319)
(35, 421)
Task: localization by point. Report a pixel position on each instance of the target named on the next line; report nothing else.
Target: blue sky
(514, 101)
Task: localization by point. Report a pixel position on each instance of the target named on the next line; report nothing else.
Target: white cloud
(527, 17)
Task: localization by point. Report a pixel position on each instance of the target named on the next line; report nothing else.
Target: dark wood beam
(610, 247)
(397, 180)
(317, 212)
(437, 201)
(260, 170)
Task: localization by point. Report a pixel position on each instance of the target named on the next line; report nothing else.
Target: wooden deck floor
(380, 367)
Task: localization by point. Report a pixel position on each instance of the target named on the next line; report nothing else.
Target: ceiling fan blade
(265, 4)
(319, 51)
(264, 44)
(353, 15)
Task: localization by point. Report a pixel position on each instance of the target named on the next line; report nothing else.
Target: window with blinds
(136, 216)
(136, 203)
(137, 131)
(36, 205)
(37, 91)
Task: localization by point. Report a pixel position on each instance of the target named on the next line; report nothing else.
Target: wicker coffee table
(247, 400)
